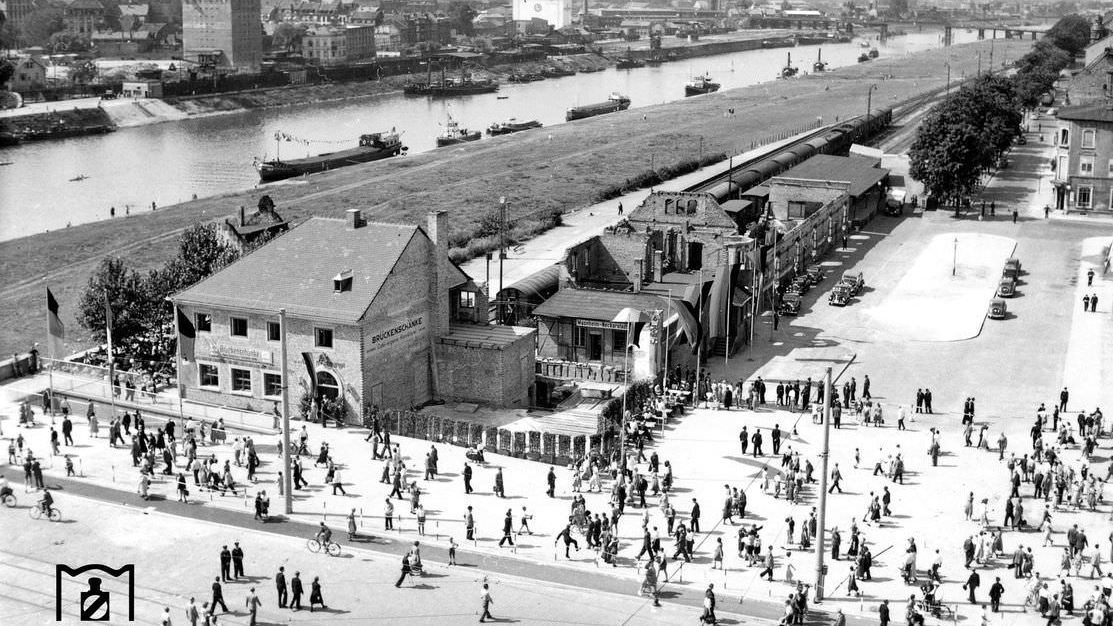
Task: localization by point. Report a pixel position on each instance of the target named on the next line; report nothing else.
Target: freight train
(834, 140)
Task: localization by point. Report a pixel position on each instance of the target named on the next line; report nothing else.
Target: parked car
(854, 280)
(1006, 288)
(1012, 268)
(790, 304)
(108, 95)
(894, 207)
(840, 295)
(801, 284)
(997, 309)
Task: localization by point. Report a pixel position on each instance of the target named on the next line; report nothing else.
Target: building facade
(375, 315)
(337, 46)
(1084, 159)
(232, 28)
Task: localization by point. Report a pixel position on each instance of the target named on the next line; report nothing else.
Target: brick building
(1084, 159)
(229, 31)
(375, 313)
(338, 45)
(83, 17)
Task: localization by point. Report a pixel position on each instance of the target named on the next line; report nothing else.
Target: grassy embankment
(557, 169)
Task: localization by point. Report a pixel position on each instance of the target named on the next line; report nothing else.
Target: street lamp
(628, 316)
(954, 258)
(869, 103)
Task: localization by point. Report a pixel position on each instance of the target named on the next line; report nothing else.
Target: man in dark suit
(237, 561)
(280, 587)
(218, 597)
(467, 478)
(695, 516)
(551, 478)
(296, 589)
(972, 584)
(225, 564)
(883, 613)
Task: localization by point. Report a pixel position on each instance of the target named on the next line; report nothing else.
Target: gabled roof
(295, 271)
(86, 4)
(860, 173)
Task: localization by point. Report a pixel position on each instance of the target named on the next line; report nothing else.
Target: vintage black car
(854, 280)
(1006, 288)
(790, 304)
(840, 295)
(815, 273)
(997, 309)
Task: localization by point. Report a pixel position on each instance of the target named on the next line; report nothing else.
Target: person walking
(507, 529)
(836, 478)
(883, 612)
(225, 564)
(280, 587)
(708, 616)
(694, 524)
(971, 585)
(500, 486)
(253, 604)
(996, 590)
(566, 534)
(485, 600)
(405, 569)
(551, 479)
(388, 515)
(467, 478)
(296, 592)
(315, 596)
(770, 562)
(192, 614)
(218, 596)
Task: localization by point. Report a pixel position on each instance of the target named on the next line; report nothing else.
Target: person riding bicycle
(46, 502)
(324, 535)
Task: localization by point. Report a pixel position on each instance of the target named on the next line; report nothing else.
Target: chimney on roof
(638, 265)
(437, 227)
(354, 218)
(243, 217)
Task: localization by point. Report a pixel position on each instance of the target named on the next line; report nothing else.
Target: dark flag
(187, 335)
(56, 331)
(308, 357)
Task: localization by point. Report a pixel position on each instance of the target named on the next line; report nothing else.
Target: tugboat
(525, 78)
(819, 65)
(614, 103)
(372, 147)
(556, 72)
(454, 134)
(700, 85)
(874, 53)
(788, 71)
(511, 126)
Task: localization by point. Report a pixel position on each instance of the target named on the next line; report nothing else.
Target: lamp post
(820, 568)
(503, 206)
(628, 316)
(948, 64)
(869, 103)
(954, 258)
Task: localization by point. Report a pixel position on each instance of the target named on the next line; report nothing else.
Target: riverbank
(58, 122)
(557, 170)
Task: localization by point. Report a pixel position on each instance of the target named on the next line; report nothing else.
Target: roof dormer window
(342, 282)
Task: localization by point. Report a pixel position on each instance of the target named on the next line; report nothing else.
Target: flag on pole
(56, 331)
(187, 335)
(308, 358)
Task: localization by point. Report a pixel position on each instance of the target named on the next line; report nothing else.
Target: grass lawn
(559, 168)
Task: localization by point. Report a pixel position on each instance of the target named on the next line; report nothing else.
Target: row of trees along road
(966, 134)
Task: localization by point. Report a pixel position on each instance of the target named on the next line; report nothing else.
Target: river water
(171, 162)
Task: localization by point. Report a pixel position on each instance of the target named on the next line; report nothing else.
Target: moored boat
(788, 71)
(372, 147)
(445, 86)
(614, 103)
(819, 65)
(700, 85)
(628, 63)
(557, 72)
(453, 134)
(525, 78)
(511, 126)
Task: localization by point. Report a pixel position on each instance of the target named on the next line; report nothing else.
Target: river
(171, 162)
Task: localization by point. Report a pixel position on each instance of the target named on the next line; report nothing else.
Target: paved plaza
(915, 326)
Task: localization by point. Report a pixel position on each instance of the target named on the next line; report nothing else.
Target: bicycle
(315, 546)
(37, 513)
(9, 500)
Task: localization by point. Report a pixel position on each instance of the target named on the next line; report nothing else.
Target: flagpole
(699, 339)
(287, 482)
(50, 372)
(111, 363)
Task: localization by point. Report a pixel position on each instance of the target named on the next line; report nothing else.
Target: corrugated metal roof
(594, 304)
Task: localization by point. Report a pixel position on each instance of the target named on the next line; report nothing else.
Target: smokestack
(354, 218)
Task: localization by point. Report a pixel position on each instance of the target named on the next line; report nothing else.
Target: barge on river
(372, 147)
(614, 103)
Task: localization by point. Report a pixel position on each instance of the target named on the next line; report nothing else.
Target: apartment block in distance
(228, 30)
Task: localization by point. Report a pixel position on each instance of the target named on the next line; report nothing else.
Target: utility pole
(287, 479)
(821, 534)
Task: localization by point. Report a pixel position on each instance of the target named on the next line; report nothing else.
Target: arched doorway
(327, 387)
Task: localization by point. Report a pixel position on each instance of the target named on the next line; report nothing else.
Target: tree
(201, 253)
(1071, 34)
(461, 14)
(40, 24)
(6, 71)
(288, 36)
(122, 287)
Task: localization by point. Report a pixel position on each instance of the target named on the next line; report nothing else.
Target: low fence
(551, 448)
